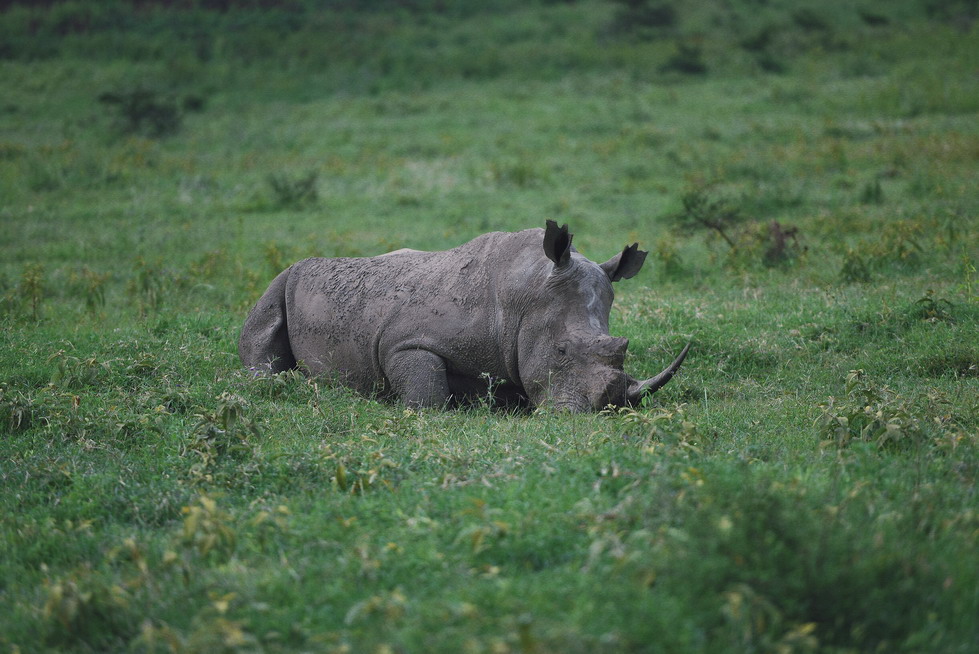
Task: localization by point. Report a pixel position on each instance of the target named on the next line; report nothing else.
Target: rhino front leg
(418, 377)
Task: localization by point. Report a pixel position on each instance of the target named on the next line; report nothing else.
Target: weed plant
(807, 192)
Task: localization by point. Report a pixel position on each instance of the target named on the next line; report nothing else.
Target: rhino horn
(639, 388)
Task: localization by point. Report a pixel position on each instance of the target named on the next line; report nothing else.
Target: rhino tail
(264, 343)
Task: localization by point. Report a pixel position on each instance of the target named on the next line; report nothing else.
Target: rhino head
(566, 357)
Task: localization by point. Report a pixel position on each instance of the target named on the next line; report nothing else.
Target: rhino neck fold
(506, 328)
(519, 285)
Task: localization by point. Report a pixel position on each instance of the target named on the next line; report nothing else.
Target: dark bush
(956, 11)
(704, 210)
(143, 111)
(770, 63)
(688, 59)
(638, 16)
(760, 40)
(649, 14)
(873, 19)
(289, 192)
(146, 111)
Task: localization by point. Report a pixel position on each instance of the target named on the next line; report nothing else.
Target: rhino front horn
(639, 388)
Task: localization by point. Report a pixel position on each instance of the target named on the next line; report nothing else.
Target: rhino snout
(594, 393)
(616, 390)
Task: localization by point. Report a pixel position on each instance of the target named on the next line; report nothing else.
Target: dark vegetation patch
(959, 361)
(145, 111)
(734, 220)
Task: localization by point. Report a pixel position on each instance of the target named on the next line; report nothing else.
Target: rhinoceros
(518, 317)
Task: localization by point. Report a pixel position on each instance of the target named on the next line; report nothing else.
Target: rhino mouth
(572, 400)
(572, 407)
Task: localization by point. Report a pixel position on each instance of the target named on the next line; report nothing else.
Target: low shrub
(687, 59)
(290, 192)
(872, 414)
(149, 112)
(644, 17)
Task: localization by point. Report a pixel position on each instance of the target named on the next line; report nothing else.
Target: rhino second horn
(653, 384)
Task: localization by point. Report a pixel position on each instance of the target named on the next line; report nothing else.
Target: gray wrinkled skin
(520, 316)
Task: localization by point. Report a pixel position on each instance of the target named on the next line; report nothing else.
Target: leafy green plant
(91, 286)
(269, 524)
(32, 288)
(389, 607)
(522, 173)
(97, 607)
(754, 621)
(74, 372)
(969, 286)
(488, 400)
(208, 265)
(18, 411)
(208, 530)
(869, 413)
(375, 469)
(933, 308)
(147, 287)
(286, 384)
(667, 254)
(855, 268)
(703, 209)
(274, 257)
(899, 243)
(669, 430)
(212, 631)
(484, 529)
(84, 606)
(872, 193)
(371, 473)
(225, 431)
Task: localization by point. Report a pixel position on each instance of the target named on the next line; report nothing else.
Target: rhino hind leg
(418, 378)
(264, 344)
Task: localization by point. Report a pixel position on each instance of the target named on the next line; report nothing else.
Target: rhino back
(346, 315)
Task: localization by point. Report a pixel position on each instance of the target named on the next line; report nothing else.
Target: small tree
(774, 242)
(701, 211)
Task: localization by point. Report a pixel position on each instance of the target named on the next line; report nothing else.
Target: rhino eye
(562, 350)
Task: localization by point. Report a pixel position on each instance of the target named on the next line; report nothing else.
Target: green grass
(154, 497)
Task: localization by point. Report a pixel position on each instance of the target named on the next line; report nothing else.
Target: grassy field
(803, 174)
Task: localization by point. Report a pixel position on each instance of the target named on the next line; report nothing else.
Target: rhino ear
(557, 244)
(625, 264)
